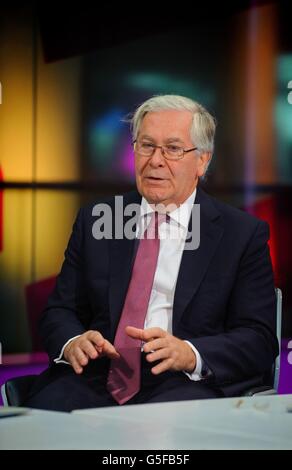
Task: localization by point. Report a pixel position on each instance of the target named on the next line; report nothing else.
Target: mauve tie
(124, 377)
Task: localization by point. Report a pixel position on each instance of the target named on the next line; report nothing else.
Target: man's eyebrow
(174, 139)
(169, 140)
(145, 136)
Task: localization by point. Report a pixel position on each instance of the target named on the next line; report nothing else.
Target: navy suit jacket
(224, 299)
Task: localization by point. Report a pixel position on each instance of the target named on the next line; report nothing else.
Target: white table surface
(226, 423)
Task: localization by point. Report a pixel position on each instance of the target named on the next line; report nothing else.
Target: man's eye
(146, 146)
(173, 148)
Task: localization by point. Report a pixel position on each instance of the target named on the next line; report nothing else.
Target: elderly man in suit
(151, 317)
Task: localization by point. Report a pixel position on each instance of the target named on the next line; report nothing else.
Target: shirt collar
(181, 215)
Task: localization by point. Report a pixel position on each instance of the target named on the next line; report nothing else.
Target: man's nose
(157, 158)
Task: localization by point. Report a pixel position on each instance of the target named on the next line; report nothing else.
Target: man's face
(166, 181)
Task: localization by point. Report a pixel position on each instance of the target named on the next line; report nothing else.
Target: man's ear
(204, 160)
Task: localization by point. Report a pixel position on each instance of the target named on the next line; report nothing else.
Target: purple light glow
(127, 162)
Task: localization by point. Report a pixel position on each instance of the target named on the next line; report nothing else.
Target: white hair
(203, 125)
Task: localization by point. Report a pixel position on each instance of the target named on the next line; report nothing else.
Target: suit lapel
(194, 263)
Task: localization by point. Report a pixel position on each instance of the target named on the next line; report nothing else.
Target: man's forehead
(172, 125)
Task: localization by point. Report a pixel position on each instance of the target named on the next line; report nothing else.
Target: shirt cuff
(196, 375)
(59, 359)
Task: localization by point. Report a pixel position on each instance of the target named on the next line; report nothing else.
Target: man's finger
(98, 349)
(88, 348)
(154, 344)
(109, 350)
(74, 363)
(162, 366)
(80, 357)
(135, 333)
(113, 355)
(145, 335)
(96, 338)
(158, 355)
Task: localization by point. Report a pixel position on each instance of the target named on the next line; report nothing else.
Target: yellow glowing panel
(40, 110)
(58, 115)
(55, 214)
(16, 107)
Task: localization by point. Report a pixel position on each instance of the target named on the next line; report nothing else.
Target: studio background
(67, 82)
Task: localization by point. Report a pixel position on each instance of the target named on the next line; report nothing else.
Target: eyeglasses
(170, 151)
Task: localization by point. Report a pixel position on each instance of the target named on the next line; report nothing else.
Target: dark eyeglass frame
(163, 151)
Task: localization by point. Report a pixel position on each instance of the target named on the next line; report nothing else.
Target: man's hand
(90, 345)
(174, 353)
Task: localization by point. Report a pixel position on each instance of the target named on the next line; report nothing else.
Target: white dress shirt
(172, 234)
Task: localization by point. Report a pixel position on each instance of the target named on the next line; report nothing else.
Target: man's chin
(162, 202)
(155, 197)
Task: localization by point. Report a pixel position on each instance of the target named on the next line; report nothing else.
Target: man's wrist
(192, 362)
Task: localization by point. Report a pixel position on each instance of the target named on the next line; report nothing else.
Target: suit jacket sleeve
(67, 311)
(248, 345)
